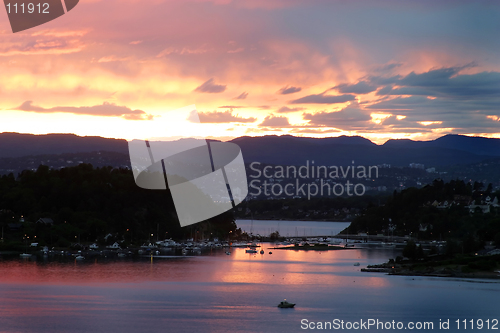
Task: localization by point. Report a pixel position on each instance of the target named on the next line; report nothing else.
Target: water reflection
(225, 293)
(238, 267)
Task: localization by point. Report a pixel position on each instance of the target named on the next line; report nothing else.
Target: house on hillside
(494, 252)
(443, 205)
(114, 246)
(484, 208)
(485, 205)
(424, 226)
(45, 220)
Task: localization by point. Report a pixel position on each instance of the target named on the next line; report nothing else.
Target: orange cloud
(106, 110)
(166, 54)
(219, 117)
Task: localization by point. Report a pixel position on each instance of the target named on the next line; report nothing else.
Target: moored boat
(284, 305)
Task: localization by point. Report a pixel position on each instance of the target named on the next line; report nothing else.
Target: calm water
(292, 228)
(239, 292)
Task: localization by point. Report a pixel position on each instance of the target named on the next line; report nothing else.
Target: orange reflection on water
(283, 267)
(293, 267)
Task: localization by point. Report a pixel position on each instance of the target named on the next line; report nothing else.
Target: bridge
(364, 238)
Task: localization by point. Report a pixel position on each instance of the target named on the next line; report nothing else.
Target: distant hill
(445, 151)
(56, 161)
(285, 150)
(18, 145)
(289, 139)
(474, 145)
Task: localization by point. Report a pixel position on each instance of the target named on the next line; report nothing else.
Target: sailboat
(26, 254)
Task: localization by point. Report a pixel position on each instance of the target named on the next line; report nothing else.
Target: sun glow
(378, 118)
(428, 123)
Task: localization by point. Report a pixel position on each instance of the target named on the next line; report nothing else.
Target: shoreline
(443, 270)
(479, 275)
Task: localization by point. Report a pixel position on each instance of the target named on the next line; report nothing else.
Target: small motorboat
(228, 253)
(357, 264)
(286, 305)
(79, 257)
(250, 251)
(25, 255)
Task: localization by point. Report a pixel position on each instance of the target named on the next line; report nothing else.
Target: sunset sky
(379, 69)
